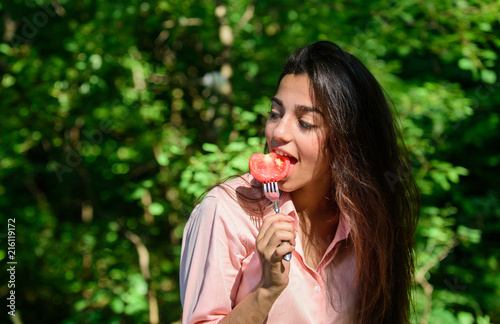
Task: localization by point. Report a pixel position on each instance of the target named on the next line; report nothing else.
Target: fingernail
(287, 257)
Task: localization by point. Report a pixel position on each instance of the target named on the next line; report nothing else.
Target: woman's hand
(255, 307)
(275, 270)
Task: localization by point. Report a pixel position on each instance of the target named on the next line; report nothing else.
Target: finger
(277, 231)
(282, 235)
(275, 218)
(268, 248)
(269, 221)
(278, 227)
(284, 242)
(281, 251)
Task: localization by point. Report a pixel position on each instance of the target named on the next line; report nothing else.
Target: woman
(349, 208)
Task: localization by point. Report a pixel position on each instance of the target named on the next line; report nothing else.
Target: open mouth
(293, 160)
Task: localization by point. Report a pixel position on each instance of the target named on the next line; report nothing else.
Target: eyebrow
(303, 108)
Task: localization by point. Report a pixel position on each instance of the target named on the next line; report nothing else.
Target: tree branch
(426, 286)
(142, 251)
(247, 16)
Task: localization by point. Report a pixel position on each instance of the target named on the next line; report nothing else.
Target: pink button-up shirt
(220, 264)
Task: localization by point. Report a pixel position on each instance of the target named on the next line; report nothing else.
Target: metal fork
(272, 192)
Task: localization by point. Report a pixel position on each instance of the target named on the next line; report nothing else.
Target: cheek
(314, 145)
(314, 149)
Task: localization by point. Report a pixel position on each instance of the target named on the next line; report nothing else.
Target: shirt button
(317, 289)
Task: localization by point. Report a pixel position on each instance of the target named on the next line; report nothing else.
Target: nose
(283, 130)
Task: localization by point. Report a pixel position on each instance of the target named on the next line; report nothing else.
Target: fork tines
(271, 190)
(271, 186)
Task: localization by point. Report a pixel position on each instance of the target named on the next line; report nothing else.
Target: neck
(318, 218)
(317, 213)
(312, 199)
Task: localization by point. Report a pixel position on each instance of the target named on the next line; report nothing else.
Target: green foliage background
(116, 115)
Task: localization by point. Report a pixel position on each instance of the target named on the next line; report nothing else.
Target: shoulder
(236, 200)
(235, 183)
(222, 214)
(243, 191)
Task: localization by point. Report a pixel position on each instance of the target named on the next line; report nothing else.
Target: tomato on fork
(269, 167)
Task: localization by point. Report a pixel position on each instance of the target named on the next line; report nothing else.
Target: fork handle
(287, 256)
(276, 208)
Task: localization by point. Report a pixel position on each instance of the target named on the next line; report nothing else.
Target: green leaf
(162, 159)
(8, 81)
(156, 209)
(209, 147)
(488, 76)
(117, 305)
(465, 318)
(236, 147)
(466, 64)
(138, 193)
(175, 149)
(469, 234)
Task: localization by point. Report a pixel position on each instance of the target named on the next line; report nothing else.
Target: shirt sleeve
(211, 257)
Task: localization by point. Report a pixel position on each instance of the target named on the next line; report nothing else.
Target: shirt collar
(342, 233)
(288, 208)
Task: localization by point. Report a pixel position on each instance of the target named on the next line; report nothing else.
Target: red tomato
(270, 167)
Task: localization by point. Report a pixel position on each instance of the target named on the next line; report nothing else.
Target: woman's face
(297, 129)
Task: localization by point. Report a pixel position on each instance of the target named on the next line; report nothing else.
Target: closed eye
(275, 111)
(306, 126)
(273, 115)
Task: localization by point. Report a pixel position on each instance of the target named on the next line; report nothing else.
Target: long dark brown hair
(372, 182)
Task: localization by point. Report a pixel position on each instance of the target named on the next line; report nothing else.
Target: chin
(286, 187)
